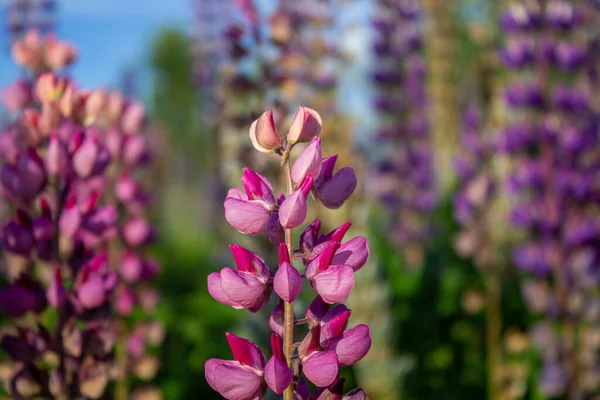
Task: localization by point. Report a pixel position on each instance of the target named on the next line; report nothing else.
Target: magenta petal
(354, 253)
(257, 186)
(275, 230)
(326, 169)
(353, 346)
(232, 380)
(308, 162)
(293, 210)
(277, 375)
(249, 217)
(242, 288)
(335, 284)
(321, 368)
(246, 352)
(334, 192)
(287, 282)
(334, 323)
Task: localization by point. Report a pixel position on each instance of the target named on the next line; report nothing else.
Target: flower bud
(59, 54)
(306, 125)
(264, 135)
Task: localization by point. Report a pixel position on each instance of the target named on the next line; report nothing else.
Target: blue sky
(109, 35)
(113, 34)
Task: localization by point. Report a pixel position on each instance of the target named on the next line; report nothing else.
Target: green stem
(493, 335)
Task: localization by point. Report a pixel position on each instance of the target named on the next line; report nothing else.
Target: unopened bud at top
(306, 125)
(264, 135)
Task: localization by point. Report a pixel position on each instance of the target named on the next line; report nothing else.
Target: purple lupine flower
(554, 145)
(403, 173)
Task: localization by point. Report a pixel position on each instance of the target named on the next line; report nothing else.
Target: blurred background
(473, 128)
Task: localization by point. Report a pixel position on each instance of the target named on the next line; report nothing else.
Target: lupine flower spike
(330, 266)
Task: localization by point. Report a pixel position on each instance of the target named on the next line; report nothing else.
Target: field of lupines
(311, 199)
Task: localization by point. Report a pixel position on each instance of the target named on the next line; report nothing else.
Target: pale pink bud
(264, 135)
(49, 87)
(306, 125)
(59, 54)
(94, 106)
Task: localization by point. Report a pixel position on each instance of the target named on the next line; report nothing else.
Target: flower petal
(215, 290)
(287, 282)
(335, 191)
(293, 210)
(354, 253)
(246, 352)
(232, 380)
(353, 346)
(242, 288)
(335, 284)
(334, 323)
(321, 368)
(277, 375)
(249, 217)
(308, 162)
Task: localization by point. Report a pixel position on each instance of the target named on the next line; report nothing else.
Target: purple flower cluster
(67, 175)
(554, 144)
(405, 180)
(475, 192)
(330, 264)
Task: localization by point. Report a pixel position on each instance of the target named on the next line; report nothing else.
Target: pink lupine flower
(132, 117)
(49, 87)
(306, 125)
(131, 267)
(241, 379)
(90, 158)
(334, 189)
(355, 252)
(277, 374)
(58, 54)
(356, 394)
(26, 178)
(287, 282)
(319, 367)
(249, 212)
(264, 135)
(124, 301)
(292, 212)
(332, 282)
(28, 52)
(247, 287)
(16, 96)
(138, 231)
(351, 346)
